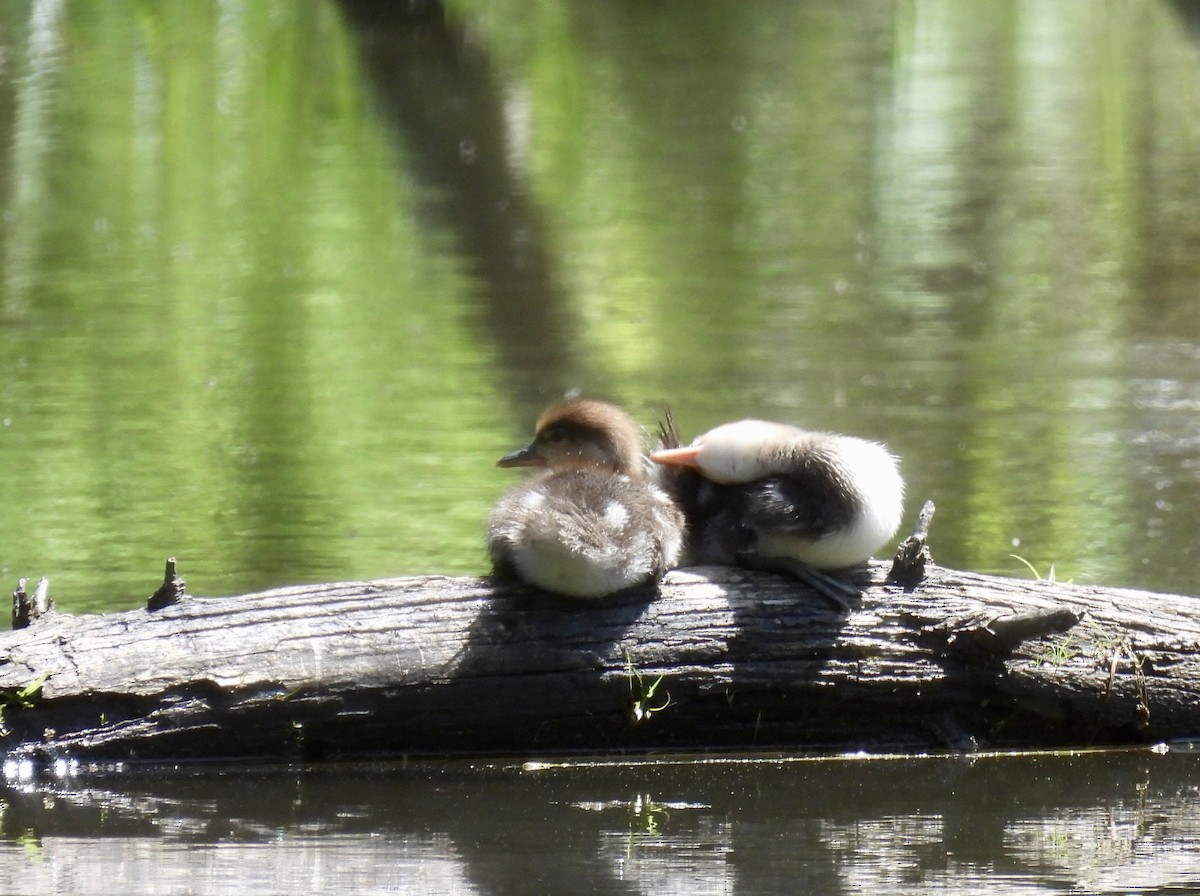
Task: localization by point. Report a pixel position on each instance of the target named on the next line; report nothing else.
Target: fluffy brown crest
(586, 431)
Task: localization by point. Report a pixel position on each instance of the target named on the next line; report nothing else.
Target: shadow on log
(717, 658)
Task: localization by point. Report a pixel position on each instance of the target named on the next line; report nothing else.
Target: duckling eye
(557, 434)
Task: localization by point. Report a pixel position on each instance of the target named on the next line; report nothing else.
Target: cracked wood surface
(458, 666)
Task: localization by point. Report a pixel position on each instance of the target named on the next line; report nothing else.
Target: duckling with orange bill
(765, 494)
(590, 523)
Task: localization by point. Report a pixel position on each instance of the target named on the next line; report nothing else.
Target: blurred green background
(281, 280)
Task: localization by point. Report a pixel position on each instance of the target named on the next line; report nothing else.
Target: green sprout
(643, 695)
(1033, 569)
(1059, 652)
(20, 698)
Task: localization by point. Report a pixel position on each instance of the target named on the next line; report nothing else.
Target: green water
(280, 281)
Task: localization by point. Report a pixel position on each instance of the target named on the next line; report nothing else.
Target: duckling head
(736, 452)
(582, 433)
(824, 499)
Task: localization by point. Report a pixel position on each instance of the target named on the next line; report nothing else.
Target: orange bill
(677, 457)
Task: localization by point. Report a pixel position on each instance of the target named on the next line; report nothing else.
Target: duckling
(768, 494)
(591, 523)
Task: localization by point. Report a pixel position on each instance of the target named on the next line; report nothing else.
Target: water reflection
(1094, 823)
(281, 280)
(437, 88)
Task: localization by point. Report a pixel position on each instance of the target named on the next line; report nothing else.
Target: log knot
(26, 607)
(998, 637)
(170, 592)
(908, 566)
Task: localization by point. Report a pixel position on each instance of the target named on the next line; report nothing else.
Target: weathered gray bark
(438, 665)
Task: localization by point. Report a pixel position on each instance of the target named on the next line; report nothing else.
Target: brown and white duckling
(591, 523)
(768, 494)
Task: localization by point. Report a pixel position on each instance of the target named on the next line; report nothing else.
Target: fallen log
(716, 658)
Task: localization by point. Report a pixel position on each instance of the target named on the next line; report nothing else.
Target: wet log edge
(714, 659)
